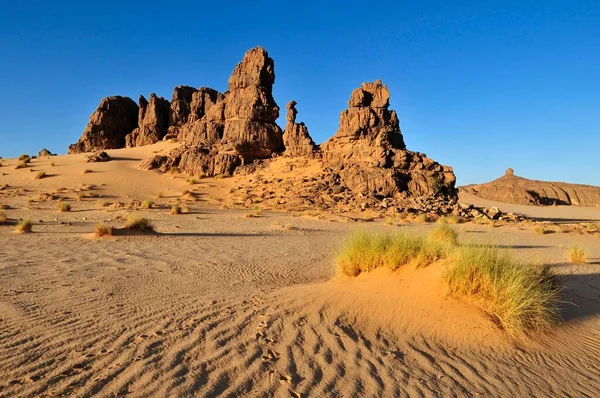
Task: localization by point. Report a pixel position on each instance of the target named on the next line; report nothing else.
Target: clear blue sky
(477, 85)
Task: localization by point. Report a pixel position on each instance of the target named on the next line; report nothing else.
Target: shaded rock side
(108, 126)
(296, 139)
(369, 152)
(206, 121)
(181, 103)
(513, 189)
(250, 110)
(153, 121)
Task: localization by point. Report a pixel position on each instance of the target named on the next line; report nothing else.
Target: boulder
(96, 157)
(108, 126)
(44, 153)
(296, 139)
(153, 122)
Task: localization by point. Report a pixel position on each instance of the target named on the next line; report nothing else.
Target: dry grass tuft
(135, 223)
(364, 252)
(40, 175)
(25, 158)
(21, 165)
(86, 171)
(520, 297)
(160, 195)
(540, 230)
(192, 181)
(147, 204)
(577, 255)
(175, 209)
(24, 227)
(102, 230)
(63, 207)
(3, 217)
(444, 234)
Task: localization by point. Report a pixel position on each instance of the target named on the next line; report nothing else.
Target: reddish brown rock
(202, 100)
(114, 118)
(296, 139)
(153, 122)
(250, 110)
(44, 153)
(181, 102)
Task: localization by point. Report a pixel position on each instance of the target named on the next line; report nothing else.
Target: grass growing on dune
(444, 234)
(102, 229)
(138, 224)
(24, 227)
(3, 217)
(366, 251)
(577, 255)
(520, 297)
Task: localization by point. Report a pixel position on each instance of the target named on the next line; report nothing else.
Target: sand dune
(215, 304)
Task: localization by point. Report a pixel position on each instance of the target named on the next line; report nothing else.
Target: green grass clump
(366, 251)
(147, 204)
(520, 297)
(136, 223)
(63, 207)
(24, 227)
(444, 234)
(40, 175)
(3, 217)
(102, 230)
(577, 255)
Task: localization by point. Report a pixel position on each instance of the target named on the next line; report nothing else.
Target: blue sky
(477, 85)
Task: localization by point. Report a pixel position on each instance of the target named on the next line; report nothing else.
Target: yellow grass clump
(147, 204)
(63, 207)
(86, 171)
(21, 165)
(364, 252)
(24, 227)
(102, 230)
(3, 217)
(444, 234)
(175, 209)
(577, 255)
(24, 158)
(540, 230)
(40, 175)
(136, 223)
(520, 297)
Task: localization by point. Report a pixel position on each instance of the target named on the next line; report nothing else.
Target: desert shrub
(422, 218)
(102, 230)
(540, 230)
(160, 195)
(24, 227)
(577, 255)
(21, 165)
(24, 158)
(453, 219)
(519, 297)
(136, 223)
(86, 171)
(63, 207)
(364, 251)
(147, 204)
(3, 217)
(52, 164)
(442, 220)
(192, 181)
(175, 209)
(40, 175)
(444, 234)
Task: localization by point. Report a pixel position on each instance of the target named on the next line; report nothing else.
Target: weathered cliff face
(512, 189)
(181, 102)
(114, 118)
(369, 153)
(296, 139)
(153, 122)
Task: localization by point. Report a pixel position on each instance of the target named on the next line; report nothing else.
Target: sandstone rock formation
(296, 139)
(512, 189)
(44, 153)
(114, 118)
(153, 121)
(181, 102)
(96, 157)
(369, 153)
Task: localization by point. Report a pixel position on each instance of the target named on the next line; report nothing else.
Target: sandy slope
(217, 304)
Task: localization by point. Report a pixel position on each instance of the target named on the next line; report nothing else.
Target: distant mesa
(222, 133)
(512, 189)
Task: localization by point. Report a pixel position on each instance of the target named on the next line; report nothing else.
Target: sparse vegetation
(540, 230)
(24, 158)
(21, 165)
(136, 223)
(24, 227)
(192, 181)
(52, 164)
(3, 217)
(40, 175)
(364, 252)
(102, 230)
(147, 204)
(86, 171)
(160, 195)
(444, 234)
(577, 255)
(519, 297)
(63, 207)
(175, 209)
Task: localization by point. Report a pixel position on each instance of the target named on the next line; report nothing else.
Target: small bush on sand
(147, 204)
(453, 219)
(86, 171)
(192, 181)
(175, 209)
(364, 252)
(444, 234)
(21, 165)
(40, 175)
(160, 195)
(422, 218)
(520, 297)
(442, 220)
(540, 230)
(138, 224)
(102, 230)
(577, 255)
(3, 217)
(24, 227)
(256, 210)
(25, 158)
(63, 207)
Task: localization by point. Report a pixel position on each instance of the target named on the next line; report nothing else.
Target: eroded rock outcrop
(369, 153)
(44, 153)
(110, 123)
(296, 139)
(153, 122)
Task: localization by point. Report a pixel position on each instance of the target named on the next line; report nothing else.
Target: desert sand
(217, 304)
